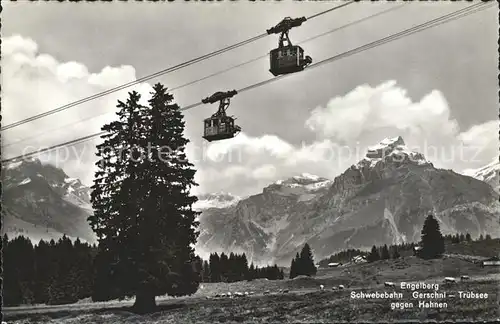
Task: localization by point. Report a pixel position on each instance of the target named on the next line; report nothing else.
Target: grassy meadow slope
(304, 302)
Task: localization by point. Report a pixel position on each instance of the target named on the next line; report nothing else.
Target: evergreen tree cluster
(232, 268)
(385, 252)
(63, 272)
(460, 237)
(267, 272)
(303, 263)
(46, 273)
(431, 234)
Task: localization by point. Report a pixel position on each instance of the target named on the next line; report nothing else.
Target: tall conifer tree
(143, 213)
(432, 239)
(307, 266)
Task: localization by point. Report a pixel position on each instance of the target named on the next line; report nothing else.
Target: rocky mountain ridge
(40, 201)
(489, 173)
(382, 199)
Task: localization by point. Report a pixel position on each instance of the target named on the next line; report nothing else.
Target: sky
(437, 88)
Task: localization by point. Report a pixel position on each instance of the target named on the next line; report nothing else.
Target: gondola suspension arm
(283, 27)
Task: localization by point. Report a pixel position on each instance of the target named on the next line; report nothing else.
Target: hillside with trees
(432, 245)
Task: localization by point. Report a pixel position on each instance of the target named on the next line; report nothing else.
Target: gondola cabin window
(219, 126)
(210, 127)
(288, 59)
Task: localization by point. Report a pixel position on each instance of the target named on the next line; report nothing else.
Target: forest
(63, 271)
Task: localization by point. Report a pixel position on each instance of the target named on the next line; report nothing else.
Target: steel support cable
(432, 23)
(157, 74)
(221, 71)
(412, 30)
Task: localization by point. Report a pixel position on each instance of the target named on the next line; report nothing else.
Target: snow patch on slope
(304, 183)
(13, 165)
(25, 181)
(307, 176)
(73, 199)
(398, 237)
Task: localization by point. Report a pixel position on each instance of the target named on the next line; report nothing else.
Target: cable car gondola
(287, 58)
(220, 126)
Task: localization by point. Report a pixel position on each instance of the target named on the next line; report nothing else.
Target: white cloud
(33, 83)
(267, 171)
(481, 135)
(481, 142)
(345, 128)
(364, 109)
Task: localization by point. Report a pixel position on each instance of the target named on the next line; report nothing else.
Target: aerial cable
(300, 42)
(157, 74)
(132, 83)
(222, 71)
(329, 10)
(412, 30)
(435, 22)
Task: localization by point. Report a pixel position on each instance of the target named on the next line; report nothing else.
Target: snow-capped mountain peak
(43, 200)
(384, 201)
(305, 181)
(306, 176)
(488, 173)
(391, 147)
(216, 200)
(23, 172)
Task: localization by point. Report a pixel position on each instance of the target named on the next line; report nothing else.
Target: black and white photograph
(288, 161)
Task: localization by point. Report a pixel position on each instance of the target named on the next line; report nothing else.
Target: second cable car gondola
(287, 58)
(220, 126)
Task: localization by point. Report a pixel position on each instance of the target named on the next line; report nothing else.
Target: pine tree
(115, 204)
(143, 213)
(395, 253)
(306, 262)
(12, 295)
(374, 255)
(293, 268)
(296, 268)
(206, 271)
(251, 272)
(432, 239)
(65, 286)
(481, 237)
(83, 264)
(224, 267)
(232, 268)
(244, 267)
(488, 237)
(215, 268)
(105, 286)
(44, 271)
(384, 254)
(468, 238)
(19, 272)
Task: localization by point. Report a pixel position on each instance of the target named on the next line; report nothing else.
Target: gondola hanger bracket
(219, 96)
(285, 25)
